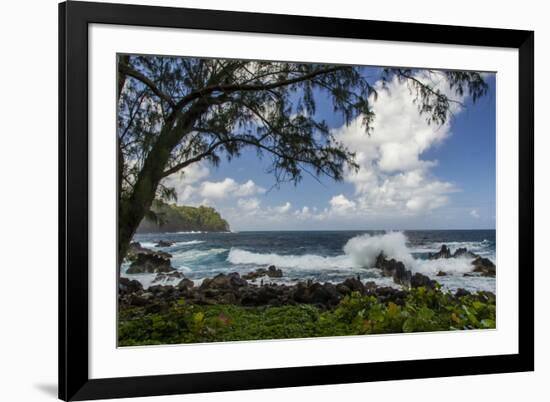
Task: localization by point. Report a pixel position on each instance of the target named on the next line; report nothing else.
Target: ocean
(324, 256)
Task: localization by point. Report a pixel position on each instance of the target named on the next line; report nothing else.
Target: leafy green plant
(422, 310)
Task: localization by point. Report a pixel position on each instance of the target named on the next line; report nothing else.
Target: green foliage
(423, 310)
(173, 218)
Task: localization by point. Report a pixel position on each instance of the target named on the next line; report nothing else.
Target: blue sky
(412, 176)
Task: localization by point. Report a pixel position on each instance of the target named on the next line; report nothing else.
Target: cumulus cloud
(229, 188)
(474, 213)
(218, 189)
(340, 204)
(190, 185)
(247, 189)
(393, 177)
(304, 213)
(249, 204)
(283, 209)
(183, 181)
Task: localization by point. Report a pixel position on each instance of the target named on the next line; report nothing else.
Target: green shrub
(423, 310)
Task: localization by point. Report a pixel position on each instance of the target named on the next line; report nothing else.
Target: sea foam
(359, 252)
(307, 261)
(365, 249)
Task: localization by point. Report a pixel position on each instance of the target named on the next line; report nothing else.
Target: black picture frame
(74, 381)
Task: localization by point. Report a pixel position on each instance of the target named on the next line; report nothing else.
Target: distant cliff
(174, 218)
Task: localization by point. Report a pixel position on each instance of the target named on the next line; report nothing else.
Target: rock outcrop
(444, 252)
(164, 243)
(484, 266)
(271, 272)
(233, 289)
(170, 276)
(481, 266)
(144, 260)
(464, 253)
(402, 276)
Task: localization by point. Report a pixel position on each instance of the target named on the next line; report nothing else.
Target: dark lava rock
(485, 296)
(135, 246)
(164, 243)
(386, 291)
(185, 283)
(136, 300)
(150, 262)
(271, 271)
(227, 298)
(342, 289)
(444, 252)
(370, 286)
(402, 276)
(395, 269)
(484, 266)
(460, 292)
(162, 290)
(274, 272)
(265, 295)
(463, 252)
(420, 280)
(354, 285)
(441, 273)
(222, 281)
(301, 294)
(126, 286)
(170, 275)
(324, 294)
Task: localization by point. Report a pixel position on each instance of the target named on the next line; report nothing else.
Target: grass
(423, 310)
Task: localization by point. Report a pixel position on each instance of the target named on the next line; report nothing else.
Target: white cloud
(218, 189)
(247, 189)
(283, 209)
(249, 204)
(340, 204)
(474, 213)
(184, 180)
(303, 213)
(229, 188)
(393, 178)
(191, 186)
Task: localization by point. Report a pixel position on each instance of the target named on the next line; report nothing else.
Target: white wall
(28, 205)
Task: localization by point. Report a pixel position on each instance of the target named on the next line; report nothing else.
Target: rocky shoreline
(246, 291)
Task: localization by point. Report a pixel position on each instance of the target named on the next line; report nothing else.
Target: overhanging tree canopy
(176, 111)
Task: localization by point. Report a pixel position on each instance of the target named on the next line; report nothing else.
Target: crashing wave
(359, 252)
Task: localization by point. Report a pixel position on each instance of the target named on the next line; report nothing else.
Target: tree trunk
(120, 156)
(133, 210)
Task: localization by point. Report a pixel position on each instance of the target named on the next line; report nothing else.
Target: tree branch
(125, 69)
(440, 96)
(256, 143)
(194, 159)
(240, 87)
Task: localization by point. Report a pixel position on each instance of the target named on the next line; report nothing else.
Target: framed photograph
(258, 201)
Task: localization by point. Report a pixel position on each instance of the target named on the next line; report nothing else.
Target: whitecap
(306, 261)
(365, 249)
